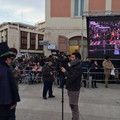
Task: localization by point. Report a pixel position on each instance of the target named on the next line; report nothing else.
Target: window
(4, 35)
(32, 41)
(78, 7)
(23, 40)
(40, 38)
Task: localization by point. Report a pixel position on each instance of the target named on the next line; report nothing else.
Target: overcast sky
(25, 11)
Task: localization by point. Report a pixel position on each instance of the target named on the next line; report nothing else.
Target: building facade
(25, 38)
(65, 22)
(40, 26)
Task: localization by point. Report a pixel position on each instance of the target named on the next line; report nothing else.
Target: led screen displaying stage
(103, 36)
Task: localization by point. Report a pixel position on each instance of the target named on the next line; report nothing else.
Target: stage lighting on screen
(103, 34)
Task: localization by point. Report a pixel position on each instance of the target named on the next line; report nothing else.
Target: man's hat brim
(8, 54)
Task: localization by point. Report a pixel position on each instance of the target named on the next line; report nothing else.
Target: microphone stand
(62, 86)
(62, 102)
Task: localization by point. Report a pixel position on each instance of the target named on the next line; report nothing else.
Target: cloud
(22, 11)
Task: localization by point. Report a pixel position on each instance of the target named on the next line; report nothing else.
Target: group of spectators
(31, 70)
(8, 78)
(95, 72)
(69, 71)
(73, 73)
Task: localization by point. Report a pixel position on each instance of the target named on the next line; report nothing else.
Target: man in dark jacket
(15, 74)
(8, 90)
(73, 83)
(48, 78)
(86, 66)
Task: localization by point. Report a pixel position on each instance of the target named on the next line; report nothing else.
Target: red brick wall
(60, 8)
(97, 4)
(115, 5)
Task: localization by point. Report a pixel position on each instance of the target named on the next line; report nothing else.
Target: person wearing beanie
(73, 83)
(10, 97)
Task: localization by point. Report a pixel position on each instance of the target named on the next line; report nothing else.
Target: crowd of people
(30, 70)
(66, 69)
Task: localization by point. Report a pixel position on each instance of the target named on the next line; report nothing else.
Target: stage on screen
(103, 36)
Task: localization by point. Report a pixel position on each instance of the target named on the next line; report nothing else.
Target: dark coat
(74, 74)
(94, 71)
(47, 77)
(8, 89)
(86, 64)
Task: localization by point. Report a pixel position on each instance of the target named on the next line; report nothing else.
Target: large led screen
(103, 34)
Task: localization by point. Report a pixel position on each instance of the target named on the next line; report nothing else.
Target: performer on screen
(104, 46)
(116, 49)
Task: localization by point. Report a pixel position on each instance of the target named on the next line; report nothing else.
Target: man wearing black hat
(15, 74)
(73, 83)
(8, 90)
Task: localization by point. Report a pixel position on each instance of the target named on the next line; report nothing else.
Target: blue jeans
(47, 88)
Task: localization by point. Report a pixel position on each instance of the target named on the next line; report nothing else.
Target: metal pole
(62, 102)
(82, 42)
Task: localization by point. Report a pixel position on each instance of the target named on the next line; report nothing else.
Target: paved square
(94, 104)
